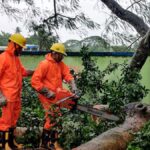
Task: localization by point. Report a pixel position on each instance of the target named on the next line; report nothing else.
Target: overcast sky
(88, 7)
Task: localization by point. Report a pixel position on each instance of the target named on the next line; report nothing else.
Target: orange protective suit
(50, 74)
(11, 73)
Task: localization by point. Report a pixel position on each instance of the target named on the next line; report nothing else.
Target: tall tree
(128, 19)
(67, 13)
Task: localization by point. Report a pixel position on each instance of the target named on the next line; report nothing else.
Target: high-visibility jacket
(11, 73)
(50, 74)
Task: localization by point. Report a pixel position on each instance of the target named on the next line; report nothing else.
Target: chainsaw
(89, 109)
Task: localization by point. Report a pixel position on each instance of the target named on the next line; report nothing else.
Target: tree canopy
(126, 21)
(4, 38)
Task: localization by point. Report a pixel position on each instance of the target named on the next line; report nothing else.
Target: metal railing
(119, 54)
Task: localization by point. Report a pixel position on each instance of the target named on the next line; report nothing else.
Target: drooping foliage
(122, 20)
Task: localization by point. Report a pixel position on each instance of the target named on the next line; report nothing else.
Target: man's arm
(37, 81)
(2, 64)
(3, 100)
(67, 76)
(38, 76)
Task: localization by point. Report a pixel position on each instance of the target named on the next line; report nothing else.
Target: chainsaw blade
(64, 99)
(98, 113)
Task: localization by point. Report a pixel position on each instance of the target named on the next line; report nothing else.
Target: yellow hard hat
(59, 47)
(18, 39)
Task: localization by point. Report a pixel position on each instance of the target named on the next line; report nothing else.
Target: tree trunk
(118, 137)
(141, 54)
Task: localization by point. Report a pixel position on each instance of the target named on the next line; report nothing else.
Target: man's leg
(6, 122)
(46, 135)
(17, 110)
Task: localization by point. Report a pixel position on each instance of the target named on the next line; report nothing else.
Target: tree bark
(118, 138)
(141, 54)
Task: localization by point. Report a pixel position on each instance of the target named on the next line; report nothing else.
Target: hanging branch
(55, 14)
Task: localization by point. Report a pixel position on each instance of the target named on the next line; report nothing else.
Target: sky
(88, 7)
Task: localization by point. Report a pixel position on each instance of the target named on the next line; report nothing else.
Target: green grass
(31, 62)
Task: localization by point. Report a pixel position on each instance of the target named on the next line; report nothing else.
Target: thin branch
(134, 42)
(55, 13)
(67, 16)
(133, 4)
(117, 17)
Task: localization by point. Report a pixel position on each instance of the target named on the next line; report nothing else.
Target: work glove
(73, 87)
(47, 93)
(3, 101)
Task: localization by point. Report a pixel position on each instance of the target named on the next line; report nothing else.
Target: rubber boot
(46, 141)
(54, 140)
(12, 142)
(4, 138)
(57, 146)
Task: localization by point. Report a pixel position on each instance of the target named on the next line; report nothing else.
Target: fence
(124, 54)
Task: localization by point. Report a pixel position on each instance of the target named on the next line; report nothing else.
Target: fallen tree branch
(118, 137)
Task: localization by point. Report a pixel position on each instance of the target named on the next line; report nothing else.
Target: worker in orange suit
(11, 74)
(47, 80)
